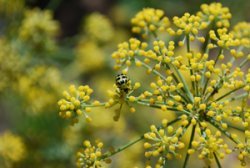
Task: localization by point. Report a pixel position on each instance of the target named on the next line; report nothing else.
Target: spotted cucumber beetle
(122, 82)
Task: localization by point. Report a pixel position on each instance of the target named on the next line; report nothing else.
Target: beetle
(122, 82)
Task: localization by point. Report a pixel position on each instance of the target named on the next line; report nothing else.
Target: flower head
(188, 24)
(90, 156)
(98, 27)
(216, 13)
(163, 143)
(208, 145)
(149, 20)
(38, 29)
(241, 31)
(76, 102)
(208, 89)
(12, 147)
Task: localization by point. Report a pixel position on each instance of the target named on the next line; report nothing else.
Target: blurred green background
(45, 45)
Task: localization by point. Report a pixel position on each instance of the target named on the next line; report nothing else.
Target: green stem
(228, 93)
(190, 96)
(242, 96)
(235, 127)
(223, 131)
(141, 102)
(165, 164)
(109, 154)
(216, 88)
(217, 161)
(188, 50)
(158, 74)
(188, 42)
(178, 81)
(155, 35)
(91, 105)
(243, 62)
(153, 70)
(207, 39)
(122, 148)
(207, 79)
(189, 146)
(217, 58)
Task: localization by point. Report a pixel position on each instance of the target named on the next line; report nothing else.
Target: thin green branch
(189, 50)
(92, 105)
(141, 102)
(189, 146)
(188, 43)
(218, 55)
(213, 123)
(228, 93)
(242, 96)
(235, 127)
(244, 62)
(122, 148)
(217, 161)
(190, 96)
(178, 81)
(207, 79)
(153, 70)
(109, 154)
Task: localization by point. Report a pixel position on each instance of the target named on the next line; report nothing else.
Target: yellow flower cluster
(75, 103)
(38, 29)
(188, 24)
(90, 156)
(244, 149)
(241, 31)
(126, 51)
(224, 39)
(206, 98)
(12, 147)
(98, 27)
(204, 88)
(148, 21)
(209, 145)
(215, 13)
(163, 143)
(162, 53)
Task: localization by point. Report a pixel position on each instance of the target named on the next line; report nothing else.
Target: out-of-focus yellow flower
(150, 20)
(12, 147)
(241, 31)
(98, 27)
(188, 24)
(10, 7)
(10, 64)
(38, 29)
(89, 57)
(40, 87)
(216, 13)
